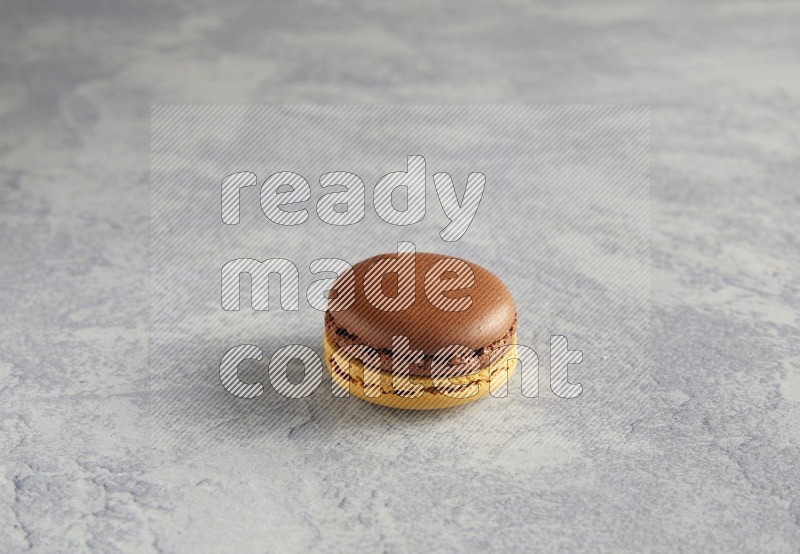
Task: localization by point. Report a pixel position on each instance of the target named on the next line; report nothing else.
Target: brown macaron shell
(488, 323)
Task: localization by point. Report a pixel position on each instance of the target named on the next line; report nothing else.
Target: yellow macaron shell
(419, 393)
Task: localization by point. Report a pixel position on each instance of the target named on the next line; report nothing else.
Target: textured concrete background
(711, 462)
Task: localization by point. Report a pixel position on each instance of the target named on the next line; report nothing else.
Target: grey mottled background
(710, 462)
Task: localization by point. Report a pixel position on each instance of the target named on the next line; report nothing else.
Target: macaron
(420, 331)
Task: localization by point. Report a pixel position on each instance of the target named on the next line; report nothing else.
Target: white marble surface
(709, 463)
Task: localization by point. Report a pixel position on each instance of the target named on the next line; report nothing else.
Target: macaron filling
(341, 337)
